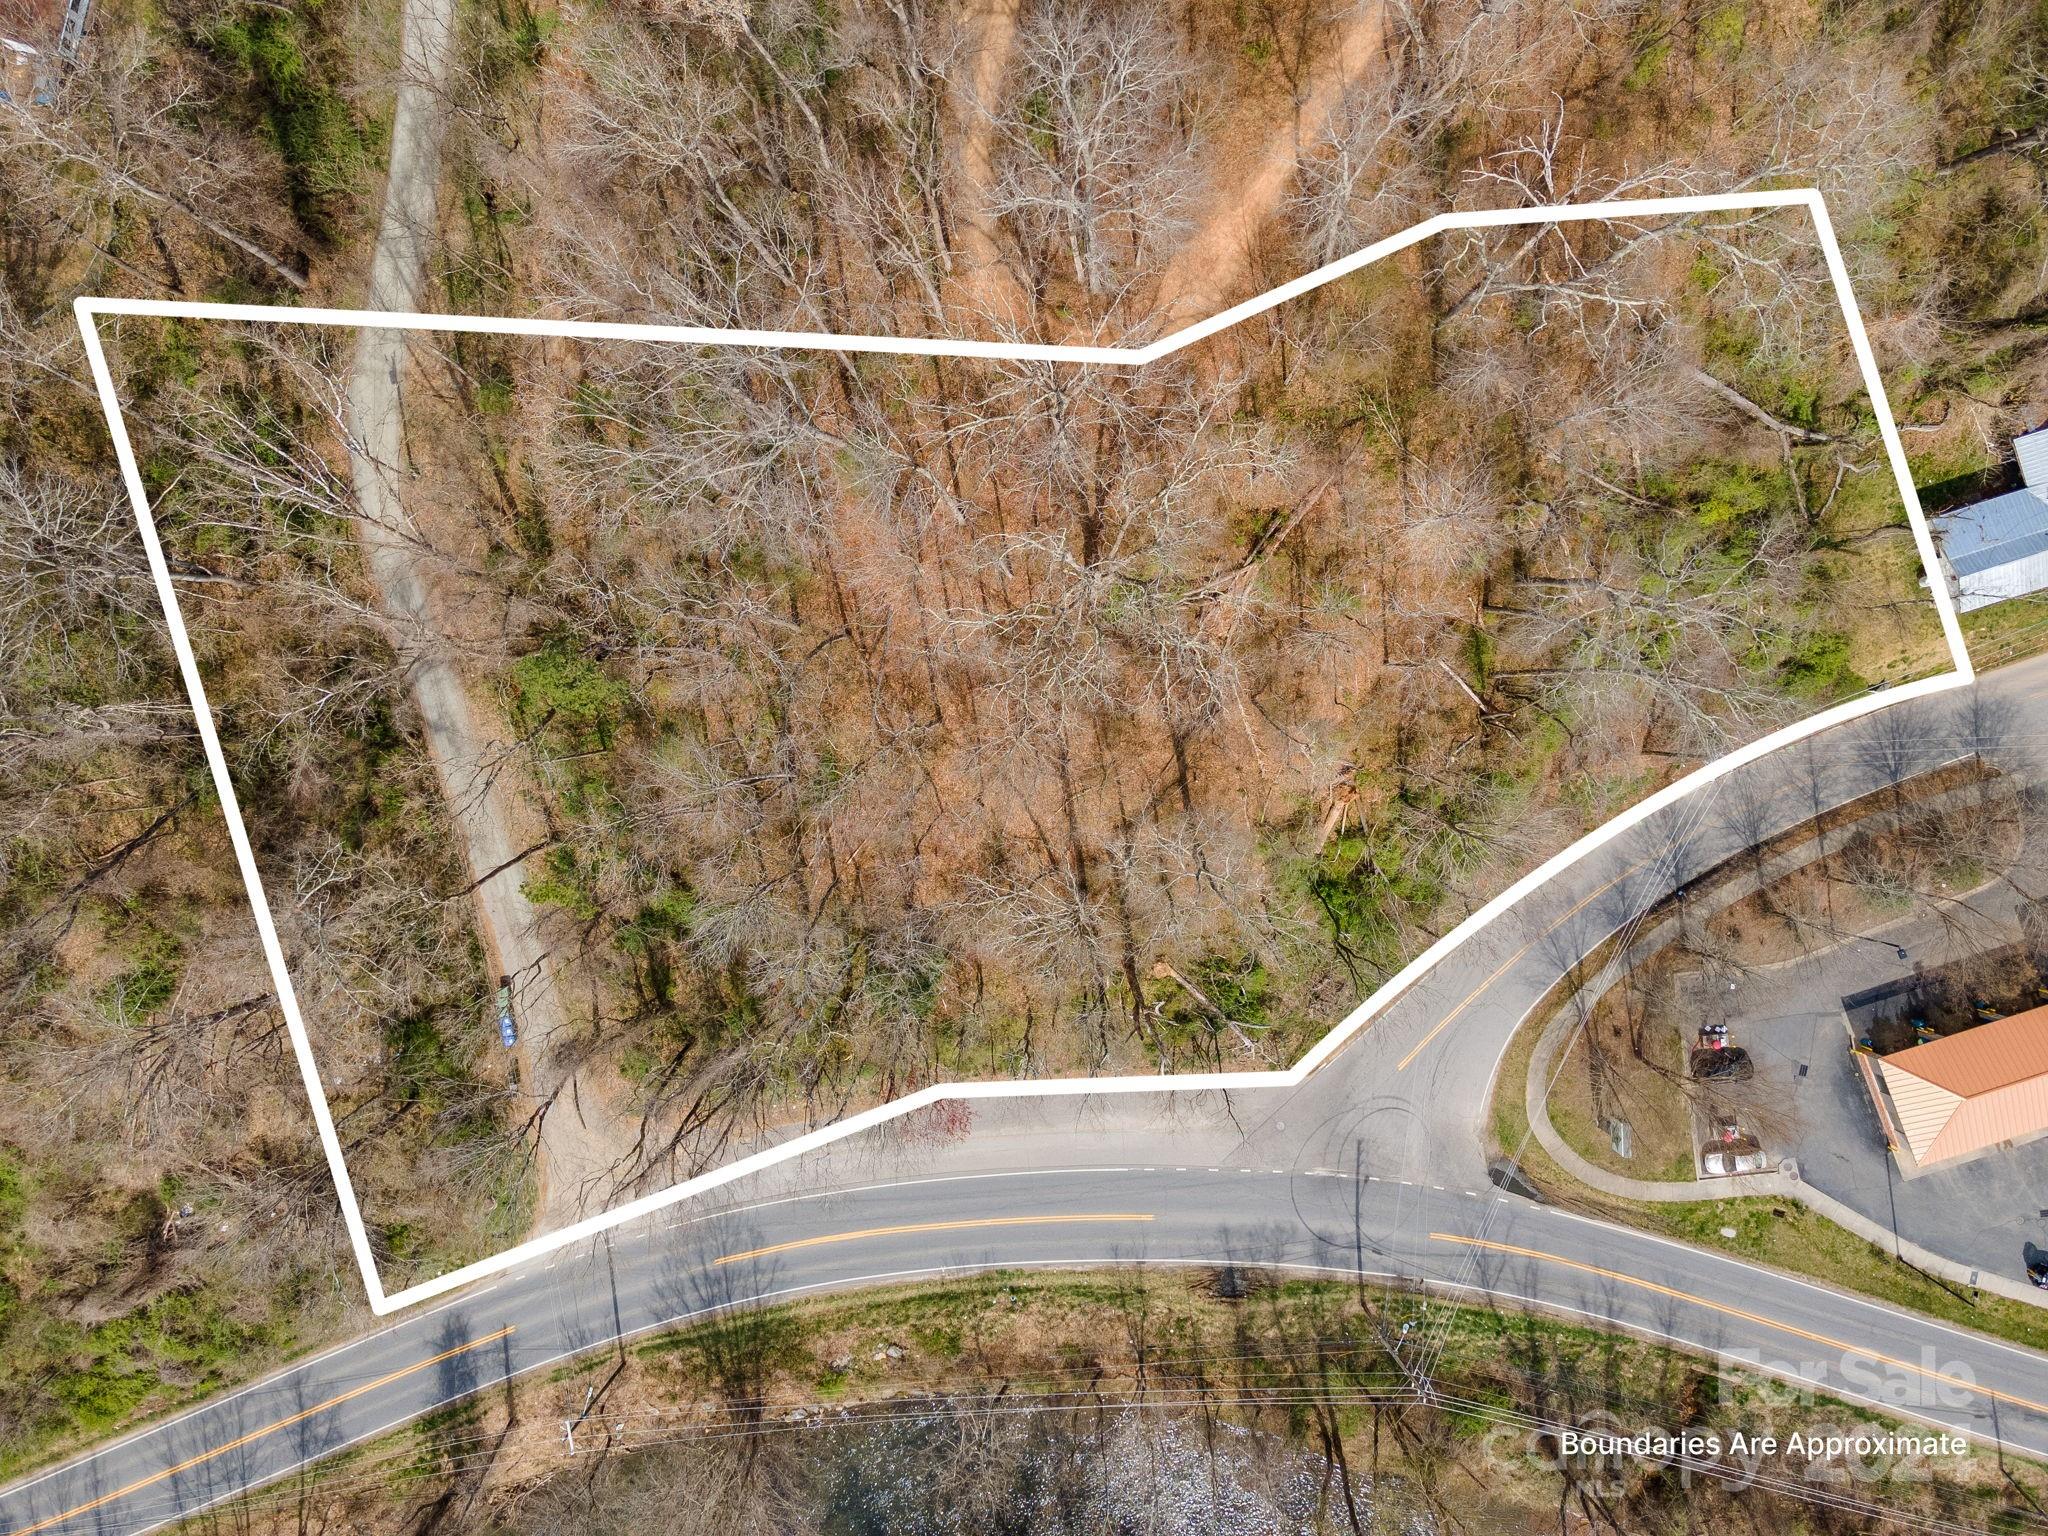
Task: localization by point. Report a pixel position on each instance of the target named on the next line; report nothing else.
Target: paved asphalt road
(1809, 1097)
(1416, 1084)
(1269, 1177)
(648, 1275)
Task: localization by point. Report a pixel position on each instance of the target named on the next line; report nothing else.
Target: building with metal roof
(1969, 1092)
(1998, 549)
(34, 36)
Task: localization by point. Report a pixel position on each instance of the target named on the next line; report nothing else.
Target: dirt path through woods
(474, 768)
(986, 285)
(1205, 272)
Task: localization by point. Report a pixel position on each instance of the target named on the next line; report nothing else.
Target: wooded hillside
(919, 169)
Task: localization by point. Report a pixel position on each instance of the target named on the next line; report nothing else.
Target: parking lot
(1807, 1099)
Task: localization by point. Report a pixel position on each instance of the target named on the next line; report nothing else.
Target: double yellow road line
(930, 1226)
(202, 1457)
(257, 1434)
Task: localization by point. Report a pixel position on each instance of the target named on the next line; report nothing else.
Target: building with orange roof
(1969, 1092)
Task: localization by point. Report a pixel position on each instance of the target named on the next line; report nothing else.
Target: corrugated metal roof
(1974, 1090)
(2011, 552)
(2032, 450)
(1990, 1056)
(1994, 532)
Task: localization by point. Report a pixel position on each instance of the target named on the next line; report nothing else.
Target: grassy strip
(1789, 1237)
(1297, 1358)
(1122, 1331)
(1648, 1095)
(2007, 631)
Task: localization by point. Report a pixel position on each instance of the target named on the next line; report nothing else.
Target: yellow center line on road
(269, 1429)
(1473, 996)
(1748, 1317)
(931, 1226)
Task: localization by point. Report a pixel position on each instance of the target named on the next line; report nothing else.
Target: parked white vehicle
(1733, 1150)
(1726, 1160)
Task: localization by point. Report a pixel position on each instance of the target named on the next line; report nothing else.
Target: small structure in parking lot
(1966, 1093)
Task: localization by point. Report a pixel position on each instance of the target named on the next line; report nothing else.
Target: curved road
(1130, 1214)
(1375, 1163)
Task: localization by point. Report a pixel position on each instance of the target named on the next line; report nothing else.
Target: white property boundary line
(89, 309)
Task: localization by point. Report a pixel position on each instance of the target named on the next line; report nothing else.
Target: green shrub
(323, 147)
(1820, 668)
(558, 684)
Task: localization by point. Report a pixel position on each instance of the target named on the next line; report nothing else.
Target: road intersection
(1376, 1164)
